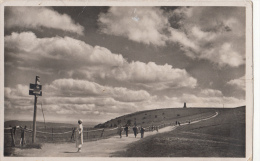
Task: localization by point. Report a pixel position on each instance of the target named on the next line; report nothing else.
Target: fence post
(52, 133)
(12, 136)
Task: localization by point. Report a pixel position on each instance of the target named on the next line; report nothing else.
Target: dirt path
(99, 148)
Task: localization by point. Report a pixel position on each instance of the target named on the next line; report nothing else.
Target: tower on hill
(184, 106)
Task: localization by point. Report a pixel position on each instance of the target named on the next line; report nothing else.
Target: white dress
(79, 136)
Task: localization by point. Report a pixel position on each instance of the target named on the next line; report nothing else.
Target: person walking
(79, 135)
(126, 130)
(22, 141)
(135, 131)
(142, 132)
(120, 129)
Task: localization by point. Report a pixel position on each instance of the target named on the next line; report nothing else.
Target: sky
(98, 63)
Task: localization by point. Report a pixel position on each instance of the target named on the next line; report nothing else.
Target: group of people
(13, 132)
(152, 128)
(79, 133)
(135, 130)
(178, 123)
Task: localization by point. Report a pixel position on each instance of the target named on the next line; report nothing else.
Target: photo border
(249, 67)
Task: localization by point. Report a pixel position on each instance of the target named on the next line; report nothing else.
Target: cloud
(141, 24)
(80, 88)
(211, 93)
(26, 46)
(199, 36)
(19, 90)
(37, 17)
(212, 39)
(68, 96)
(238, 83)
(86, 61)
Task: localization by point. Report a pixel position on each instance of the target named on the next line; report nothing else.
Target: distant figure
(79, 135)
(176, 122)
(142, 132)
(120, 129)
(189, 121)
(12, 135)
(157, 128)
(22, 141)
(73, 134)
(179, 123)
(126, 130)
(135, 131)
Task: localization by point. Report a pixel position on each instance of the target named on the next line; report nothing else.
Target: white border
(256, 27)
(249, 65)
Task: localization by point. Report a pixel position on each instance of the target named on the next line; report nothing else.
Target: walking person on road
(135, 131)
(142, 132)
(120, 129)
(22, 141)
(126, 130)
(79, 135)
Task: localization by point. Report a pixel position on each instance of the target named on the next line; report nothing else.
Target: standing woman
(79, 135)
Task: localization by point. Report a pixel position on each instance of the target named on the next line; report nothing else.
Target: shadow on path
(70, 152)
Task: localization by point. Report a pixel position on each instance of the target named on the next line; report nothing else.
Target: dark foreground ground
(222, 136)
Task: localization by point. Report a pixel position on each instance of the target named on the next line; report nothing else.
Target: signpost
(36, 90)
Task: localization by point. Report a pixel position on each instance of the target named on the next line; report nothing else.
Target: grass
(222, 136)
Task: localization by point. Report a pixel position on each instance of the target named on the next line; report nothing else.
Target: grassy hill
(158, 117)
(222, 136)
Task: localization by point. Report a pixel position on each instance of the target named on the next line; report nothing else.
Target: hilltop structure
(184, 106)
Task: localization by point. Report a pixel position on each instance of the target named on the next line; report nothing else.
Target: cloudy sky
(98, 63)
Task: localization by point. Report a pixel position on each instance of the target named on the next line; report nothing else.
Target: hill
(222, 136)
(158, 116)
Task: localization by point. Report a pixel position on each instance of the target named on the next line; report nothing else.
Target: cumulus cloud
(75, 97)
(80, 88)
(209, 38)
(239, 83)
(19, 90)
(141, 24)
(211, 93)
(93, 62)
(27, 46)
(37, 17)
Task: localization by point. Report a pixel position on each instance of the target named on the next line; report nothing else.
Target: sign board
(35, 89)
(35, 92)
(35, 86)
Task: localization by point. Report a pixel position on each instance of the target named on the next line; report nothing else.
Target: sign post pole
(34, 119)
(35, 89)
